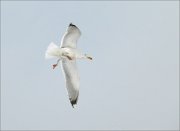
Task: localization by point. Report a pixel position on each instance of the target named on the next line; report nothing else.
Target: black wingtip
(72, 24)
(74, 102)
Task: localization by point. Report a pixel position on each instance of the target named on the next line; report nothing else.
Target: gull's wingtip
(74, 102)
(71, 24)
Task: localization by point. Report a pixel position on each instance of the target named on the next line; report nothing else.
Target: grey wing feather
(71, 36)
(72, 79)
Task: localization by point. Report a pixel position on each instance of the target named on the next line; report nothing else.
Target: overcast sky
(132, 82)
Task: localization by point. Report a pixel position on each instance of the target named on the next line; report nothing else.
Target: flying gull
(67, 54)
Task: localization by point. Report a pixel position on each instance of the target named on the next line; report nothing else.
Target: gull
(67, 54)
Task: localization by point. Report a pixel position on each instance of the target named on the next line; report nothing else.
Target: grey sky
(132, 82)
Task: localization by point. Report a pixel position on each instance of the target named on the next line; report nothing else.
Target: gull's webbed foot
(54, 66)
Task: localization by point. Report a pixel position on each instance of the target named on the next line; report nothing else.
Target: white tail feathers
(52, 51)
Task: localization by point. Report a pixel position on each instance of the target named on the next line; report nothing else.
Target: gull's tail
(52, 51)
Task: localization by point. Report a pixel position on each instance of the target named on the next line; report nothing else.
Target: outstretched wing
(71, 36)
(72, 79)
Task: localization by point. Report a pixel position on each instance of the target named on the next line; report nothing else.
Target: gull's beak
(90, 58)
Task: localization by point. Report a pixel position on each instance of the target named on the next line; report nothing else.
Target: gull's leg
(66, 54)
(56, 63)
(69, 57)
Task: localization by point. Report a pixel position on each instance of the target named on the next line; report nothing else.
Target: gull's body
(67, 53)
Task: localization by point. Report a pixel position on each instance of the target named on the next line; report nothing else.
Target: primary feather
(72, 79)
(71, 36)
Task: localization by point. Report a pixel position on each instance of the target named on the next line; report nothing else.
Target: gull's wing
(71, 36)
(72, 79)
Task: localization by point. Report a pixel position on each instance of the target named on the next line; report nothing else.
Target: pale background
(132, 83)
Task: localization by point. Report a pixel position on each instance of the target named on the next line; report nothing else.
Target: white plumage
(67, 54)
